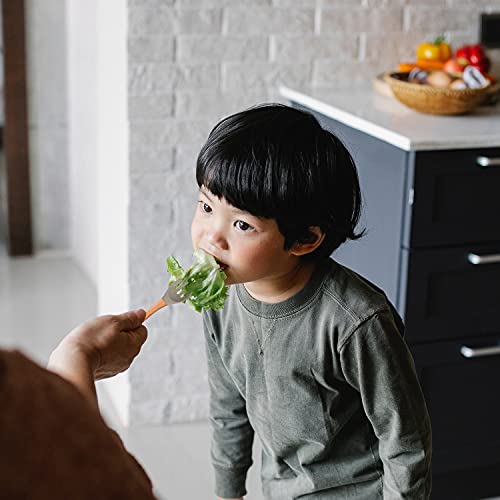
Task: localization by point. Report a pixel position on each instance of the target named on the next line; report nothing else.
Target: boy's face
(247, 247)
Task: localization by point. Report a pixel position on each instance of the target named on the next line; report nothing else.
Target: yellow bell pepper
(439, 50)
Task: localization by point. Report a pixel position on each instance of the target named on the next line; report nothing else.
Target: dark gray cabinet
(433, 245)
(465, 416)
(447, 297)
(456, 200)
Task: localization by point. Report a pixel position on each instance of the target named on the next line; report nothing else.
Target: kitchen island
(431, 191)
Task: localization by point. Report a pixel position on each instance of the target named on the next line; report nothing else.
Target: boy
(305, 353)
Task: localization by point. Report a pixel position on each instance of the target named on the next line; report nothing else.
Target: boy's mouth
(221, 264)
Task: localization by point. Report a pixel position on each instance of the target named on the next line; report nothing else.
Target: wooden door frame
(15, 132)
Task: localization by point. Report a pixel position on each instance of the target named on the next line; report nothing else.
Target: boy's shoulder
(354, 294)
(354, 299)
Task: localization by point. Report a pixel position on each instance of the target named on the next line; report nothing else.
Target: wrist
(73, 353)
(77, 365)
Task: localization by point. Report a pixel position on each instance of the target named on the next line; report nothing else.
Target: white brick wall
(191, 62)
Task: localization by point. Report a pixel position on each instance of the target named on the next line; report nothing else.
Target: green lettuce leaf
(203, 281)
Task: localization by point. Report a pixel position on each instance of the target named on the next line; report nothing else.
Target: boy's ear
(317, 237)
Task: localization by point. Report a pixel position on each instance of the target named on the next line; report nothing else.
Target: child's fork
(173, 295)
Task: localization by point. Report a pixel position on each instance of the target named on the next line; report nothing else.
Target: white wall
(98, 151)
(113, 175)
(82, 111)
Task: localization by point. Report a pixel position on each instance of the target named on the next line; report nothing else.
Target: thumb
(141, 315)
(131, 319)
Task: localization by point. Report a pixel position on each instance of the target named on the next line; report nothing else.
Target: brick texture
(348, 20)
(268, 20)
(192, 62)
(291, 49)
(151, 48)
(221, 48)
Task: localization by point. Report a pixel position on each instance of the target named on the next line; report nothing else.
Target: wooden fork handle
(159, 305)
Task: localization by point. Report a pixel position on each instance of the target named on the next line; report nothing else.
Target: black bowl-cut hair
(277, 162)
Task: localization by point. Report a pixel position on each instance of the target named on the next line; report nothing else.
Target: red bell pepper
(475, 56)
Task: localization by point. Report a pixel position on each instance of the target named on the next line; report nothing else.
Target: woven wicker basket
(435, 101)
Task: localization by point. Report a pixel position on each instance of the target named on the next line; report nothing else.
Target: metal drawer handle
(469, 352)
(484, 161)
(476, 259)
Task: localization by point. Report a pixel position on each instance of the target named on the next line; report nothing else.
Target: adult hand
(109, 343)
(97, 349)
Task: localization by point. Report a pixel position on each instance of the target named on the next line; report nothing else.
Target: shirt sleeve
(232, 436)
(377, 363)
(55, 444)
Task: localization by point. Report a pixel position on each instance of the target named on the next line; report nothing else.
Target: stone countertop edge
(388, 120)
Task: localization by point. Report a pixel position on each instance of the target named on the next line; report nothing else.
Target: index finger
(140, 334)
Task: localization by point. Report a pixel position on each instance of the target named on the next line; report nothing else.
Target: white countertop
(387, 119)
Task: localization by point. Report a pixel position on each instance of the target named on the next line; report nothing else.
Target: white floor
(43, 298)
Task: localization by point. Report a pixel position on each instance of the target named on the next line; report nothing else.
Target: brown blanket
(54, 445)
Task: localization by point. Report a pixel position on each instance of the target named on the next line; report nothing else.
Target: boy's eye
(242, 225)
(205, 208)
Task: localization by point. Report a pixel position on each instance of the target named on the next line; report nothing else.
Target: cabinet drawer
(455, 199)
(444, 295)
(462, 398)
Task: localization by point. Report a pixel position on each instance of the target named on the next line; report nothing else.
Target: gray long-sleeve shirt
(327, 383)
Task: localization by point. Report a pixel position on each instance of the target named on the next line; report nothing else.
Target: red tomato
(475, 55)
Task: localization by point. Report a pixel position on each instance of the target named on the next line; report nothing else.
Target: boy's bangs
(244, 182)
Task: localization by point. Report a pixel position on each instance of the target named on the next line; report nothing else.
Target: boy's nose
(217, 239)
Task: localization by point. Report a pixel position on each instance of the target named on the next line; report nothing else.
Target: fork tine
(174, 295)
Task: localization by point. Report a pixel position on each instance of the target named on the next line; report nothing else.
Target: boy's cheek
(194, 234)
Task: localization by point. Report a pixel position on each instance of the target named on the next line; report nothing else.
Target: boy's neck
(278, 289)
